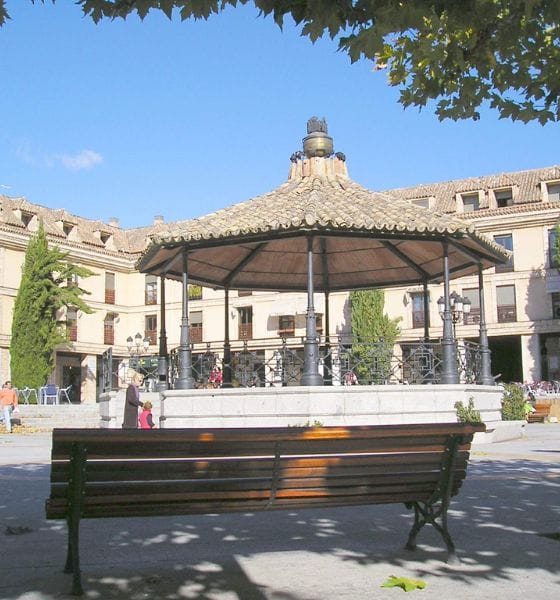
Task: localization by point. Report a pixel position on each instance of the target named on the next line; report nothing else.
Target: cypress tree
(556, 247)
(47, 285)
(374, 335)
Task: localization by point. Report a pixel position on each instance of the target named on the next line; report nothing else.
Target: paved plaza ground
(505, 523)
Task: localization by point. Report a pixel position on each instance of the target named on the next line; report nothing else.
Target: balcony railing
(245, 331)
(72, 333)
(108, 336)
(195, 334)
(506, 314)
(150, 296)
(472, 318)
(151, 334)
(417, 318)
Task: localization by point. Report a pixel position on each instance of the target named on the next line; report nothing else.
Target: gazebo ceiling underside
(361, 239)
(340, 262)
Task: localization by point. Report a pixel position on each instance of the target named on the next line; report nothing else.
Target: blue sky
(133, 119)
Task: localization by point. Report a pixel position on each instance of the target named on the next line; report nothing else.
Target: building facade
(522, 298)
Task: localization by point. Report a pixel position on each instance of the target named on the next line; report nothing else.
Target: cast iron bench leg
(427, 513)
(77, 481)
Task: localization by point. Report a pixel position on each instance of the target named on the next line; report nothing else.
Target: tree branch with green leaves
(453, 55)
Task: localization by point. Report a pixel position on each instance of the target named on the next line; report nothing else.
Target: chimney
(158, 220)
(114, 222)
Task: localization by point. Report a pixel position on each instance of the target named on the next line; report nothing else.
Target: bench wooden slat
(256, 443)
(208, 506)
(335, 479)
(298, 448)
(252, 435)
(301, 467)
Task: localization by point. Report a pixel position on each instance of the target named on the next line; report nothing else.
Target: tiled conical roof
(361, 238)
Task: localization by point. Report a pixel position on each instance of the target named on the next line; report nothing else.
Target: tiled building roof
(526, 186)
(326, 199)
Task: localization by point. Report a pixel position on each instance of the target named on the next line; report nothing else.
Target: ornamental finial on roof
(315, 125)
(317, 143)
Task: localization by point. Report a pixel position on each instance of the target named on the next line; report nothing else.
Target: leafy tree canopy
(460, 54)
(47, 285)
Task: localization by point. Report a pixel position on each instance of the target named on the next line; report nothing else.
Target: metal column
(184, 379)
(449, 373)
(311, 374)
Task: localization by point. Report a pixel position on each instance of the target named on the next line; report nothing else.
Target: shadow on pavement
(498, 522)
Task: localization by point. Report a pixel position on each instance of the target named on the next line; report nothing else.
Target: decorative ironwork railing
(342, 361)
(273, 362)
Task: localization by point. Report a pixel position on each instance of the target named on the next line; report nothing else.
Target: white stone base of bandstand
(300, 406)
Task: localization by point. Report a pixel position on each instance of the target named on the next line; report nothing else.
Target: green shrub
(467, 414)
(513, 405)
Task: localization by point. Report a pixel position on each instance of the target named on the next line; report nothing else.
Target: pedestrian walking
(132, 402)
(8, 401)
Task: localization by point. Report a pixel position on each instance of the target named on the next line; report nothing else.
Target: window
(67, 228)
(72, 324)
(470, 202)
(109, 330)
(505, 241)
(244, 293)
(109, 288)
(195, 292)
(26, 218)
(553, 192)
(472, 318)
(150, 291)
(421, 202)
(503, 197)
(151, 329)
(505, 300)
(417, 309)
(245, 328)
(555, 299)
(195, 327)
(553, 261)
(286, 325)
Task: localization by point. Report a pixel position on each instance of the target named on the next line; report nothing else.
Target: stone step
(48, 417)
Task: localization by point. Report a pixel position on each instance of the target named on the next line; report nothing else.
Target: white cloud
(86, 159)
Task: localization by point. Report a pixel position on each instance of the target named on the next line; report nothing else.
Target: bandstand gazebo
(319, 232)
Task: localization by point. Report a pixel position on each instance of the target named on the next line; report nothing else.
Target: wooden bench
(541, 413)
(127, 473)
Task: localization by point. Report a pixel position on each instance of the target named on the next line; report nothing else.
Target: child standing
(146, 420)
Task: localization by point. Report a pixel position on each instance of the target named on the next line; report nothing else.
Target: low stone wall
(298, 406)
(555, 408)
(111, 407)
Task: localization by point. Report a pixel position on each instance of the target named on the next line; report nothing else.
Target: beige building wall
(532, 338)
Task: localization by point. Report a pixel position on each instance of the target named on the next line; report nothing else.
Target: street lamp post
(136, 347)
(451, 310)
(459, 306)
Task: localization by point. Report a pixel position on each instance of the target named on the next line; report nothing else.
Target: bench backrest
(187, 471)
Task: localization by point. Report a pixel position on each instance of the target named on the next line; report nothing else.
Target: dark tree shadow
(498, 522)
